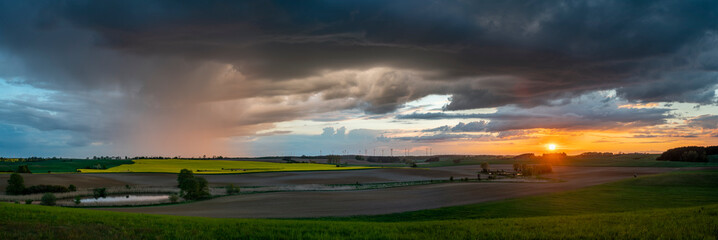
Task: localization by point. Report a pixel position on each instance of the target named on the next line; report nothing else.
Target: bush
(174, 198)
(72, 188)
(15, 185)
(29, 201)
(543, 168)
(96, 166)
(432, 159)
(77, 200)
(359, 157)
(451, 178)
(46, 189)
(99, 193)
(517, 167)
(484, 167)
(231, 189)
(534, 170)
(48, 199)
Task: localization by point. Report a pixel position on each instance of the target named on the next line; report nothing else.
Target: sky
(271, 78)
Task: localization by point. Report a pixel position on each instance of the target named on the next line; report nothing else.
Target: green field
(60, 165)
(649, 207)
(676, 189)
(216, 166)
(38, 222)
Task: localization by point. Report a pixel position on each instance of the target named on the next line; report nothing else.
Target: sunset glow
(551, 147)
(358, 119)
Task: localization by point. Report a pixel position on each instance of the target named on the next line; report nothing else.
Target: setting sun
(551, 147)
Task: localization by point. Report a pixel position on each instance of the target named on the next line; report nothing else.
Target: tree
(195, 188)
(484, 167)
(78, 200)
(693, 156)
(72, 188)
(184, 175)
(333, 159)
(48, 199)
(15, 185)
(45, 189)
(99, 193)
(23, 169)
(685, 154)
(517, 166)
(192, 187)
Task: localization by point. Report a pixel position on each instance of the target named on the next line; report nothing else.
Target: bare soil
(380, 201)
(79, 180)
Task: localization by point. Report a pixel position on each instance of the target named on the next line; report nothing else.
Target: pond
(126, 199)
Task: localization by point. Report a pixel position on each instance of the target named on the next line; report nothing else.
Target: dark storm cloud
(549, 49)
(589, 111)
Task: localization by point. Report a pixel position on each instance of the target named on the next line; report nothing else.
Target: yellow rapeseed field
(215, 166)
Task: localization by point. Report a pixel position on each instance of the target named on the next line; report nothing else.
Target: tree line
(689, 154)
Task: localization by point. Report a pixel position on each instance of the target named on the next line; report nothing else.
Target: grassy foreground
(661, 199)
(38, 222)
(215, 166)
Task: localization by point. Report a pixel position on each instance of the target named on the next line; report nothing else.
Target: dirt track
(381, 201)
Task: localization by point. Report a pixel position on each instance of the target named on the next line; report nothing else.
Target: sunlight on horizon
(551, 147)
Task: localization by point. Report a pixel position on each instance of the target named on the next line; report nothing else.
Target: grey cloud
(590, 111)
(440, 137)
(476, 126)
(514, 134)
(544, 50)
(330, 141)
(704, 122)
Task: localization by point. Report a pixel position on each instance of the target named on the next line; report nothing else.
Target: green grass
(38, 222)
(631, 160)
(648, 207)
(216, 166)
(60, 165)
(676, 189)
